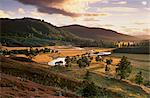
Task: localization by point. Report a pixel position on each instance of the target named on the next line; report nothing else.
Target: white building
(104, 53)
(60, 61)
(100, 54)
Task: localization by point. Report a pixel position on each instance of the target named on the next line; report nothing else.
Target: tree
(98, 58)
(74, 59)
(139, 78)
(31, 53)
(81, 63)
(123, 68)
(107, 68)
(108, 62)
(91, 58)
(31, 48)
(68, 61)
(86, 60)
(46, 50)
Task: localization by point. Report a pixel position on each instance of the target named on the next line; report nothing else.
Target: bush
(89, 89)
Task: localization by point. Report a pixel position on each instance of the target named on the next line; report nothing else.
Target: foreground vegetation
(75, 78)
(83, 75)
(44, 76)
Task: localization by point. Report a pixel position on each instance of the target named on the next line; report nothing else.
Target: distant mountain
(97, 33)
(36, 32)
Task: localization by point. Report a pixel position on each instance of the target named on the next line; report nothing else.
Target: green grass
(105, 82)
(139, 62)
(138, 57)
(112, 83)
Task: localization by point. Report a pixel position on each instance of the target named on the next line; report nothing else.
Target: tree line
(30, 53)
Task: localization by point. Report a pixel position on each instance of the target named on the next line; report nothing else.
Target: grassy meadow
(139, 62)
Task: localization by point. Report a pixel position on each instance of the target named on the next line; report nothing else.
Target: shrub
(89, 89)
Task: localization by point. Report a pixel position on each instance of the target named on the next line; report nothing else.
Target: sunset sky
(125, 16)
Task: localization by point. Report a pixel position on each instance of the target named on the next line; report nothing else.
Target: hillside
(20, 76)
(97, 33)
(39, 80)
(31, 74)
(36, 32)
(32, 32)
(13, 87)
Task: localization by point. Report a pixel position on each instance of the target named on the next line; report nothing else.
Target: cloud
(147, 30)
(48, 6)
(140, 23)
(90, 19)
(73, 8)
(21, 11)
(3, 14)
(120, 3)
(35, 13)
(57, 11)
(144, 2)
(106, 25)
(118, 9)
(105, 1)
(11, 13)
(96, 14)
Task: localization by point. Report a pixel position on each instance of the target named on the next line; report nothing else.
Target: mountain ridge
(105, 34)
(36, 32)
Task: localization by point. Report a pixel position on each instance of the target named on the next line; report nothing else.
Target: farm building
(58, 61)
(104, 53)
(100, 54)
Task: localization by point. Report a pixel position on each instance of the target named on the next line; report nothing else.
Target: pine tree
(139, 78)
(124, 68)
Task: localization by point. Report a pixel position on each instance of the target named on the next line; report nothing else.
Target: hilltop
(31, 32)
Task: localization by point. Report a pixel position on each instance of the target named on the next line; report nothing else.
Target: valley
(109, 84)
(41, 60)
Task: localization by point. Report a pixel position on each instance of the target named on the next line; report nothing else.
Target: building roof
(52, 63)
(100, 53)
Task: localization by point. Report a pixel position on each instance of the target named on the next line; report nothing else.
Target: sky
(124, 16)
